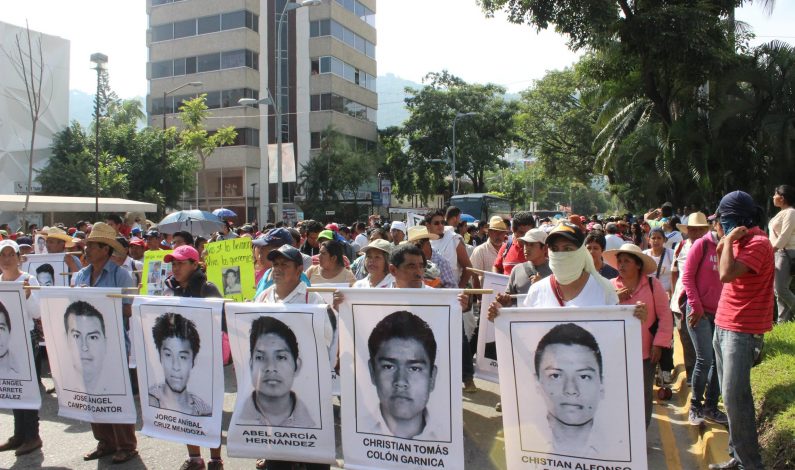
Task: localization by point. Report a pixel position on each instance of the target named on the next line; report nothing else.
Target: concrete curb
(710, 441)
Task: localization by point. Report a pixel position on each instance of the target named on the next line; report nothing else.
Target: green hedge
(773, 384)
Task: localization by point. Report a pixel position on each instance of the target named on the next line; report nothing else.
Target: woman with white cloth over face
(782, 237)
(376, 262)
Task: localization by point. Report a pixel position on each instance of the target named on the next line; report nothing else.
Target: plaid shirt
(448, 278)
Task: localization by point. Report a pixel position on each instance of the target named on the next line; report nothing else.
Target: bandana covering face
(737, 208)
(568, 265)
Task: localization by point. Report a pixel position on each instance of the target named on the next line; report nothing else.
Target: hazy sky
(414, 37)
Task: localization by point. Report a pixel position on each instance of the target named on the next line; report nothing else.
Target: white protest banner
(333, 346)
(19, 386)
(413, 219)
(49, 269)
(85, 345)
(283, 409)
(180, 368)
(400, 352)
(486, 355)
(566, 378)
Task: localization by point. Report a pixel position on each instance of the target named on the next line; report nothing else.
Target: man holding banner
(116, 439)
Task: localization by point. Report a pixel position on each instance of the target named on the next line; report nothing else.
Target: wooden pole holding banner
(465, 291)
(479, 271)
(124, 289)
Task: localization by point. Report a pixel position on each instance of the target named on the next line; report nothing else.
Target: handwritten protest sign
(230, 266)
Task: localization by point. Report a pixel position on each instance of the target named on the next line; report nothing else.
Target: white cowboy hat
(696, 219)
(611, 257)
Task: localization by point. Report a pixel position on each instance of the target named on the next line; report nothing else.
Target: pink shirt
(657, 306)
(700, 275)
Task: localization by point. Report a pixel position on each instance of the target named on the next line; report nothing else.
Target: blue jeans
(705, 377)
(734, 356)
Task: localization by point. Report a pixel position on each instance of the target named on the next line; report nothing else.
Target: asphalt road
(65, 440)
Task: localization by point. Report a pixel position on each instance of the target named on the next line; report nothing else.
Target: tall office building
(228, 51)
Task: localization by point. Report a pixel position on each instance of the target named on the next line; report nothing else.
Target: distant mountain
(391, 96)
(81, 107)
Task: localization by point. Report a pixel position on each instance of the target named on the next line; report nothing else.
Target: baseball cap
(6, 243)
(327, 234)
(152, 233)
(535, 235)
(276, 238)
(398, 225)
(289, 252)
(333, 227)
(135, 241)
(182, 253)
(567, 230)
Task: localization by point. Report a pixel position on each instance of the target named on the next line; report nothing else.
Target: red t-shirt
(514, 256)
(746, 303)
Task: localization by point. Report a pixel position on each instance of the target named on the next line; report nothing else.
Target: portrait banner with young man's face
(85, 344)
(486, 354)
(19, 385)
(49, 269)
(400, 359)
(180, 368)
(284, 407)
(571, 384)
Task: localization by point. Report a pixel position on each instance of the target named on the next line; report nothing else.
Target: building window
(206, 25)
(215, 99)
(334, 102)
(162, 69)
(357, 8)
(335, 66)
(332, 28)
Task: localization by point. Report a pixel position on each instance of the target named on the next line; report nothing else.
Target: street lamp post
(253, 188)
(164, 162)
(276, 99)
(455, 119)
(99, 59)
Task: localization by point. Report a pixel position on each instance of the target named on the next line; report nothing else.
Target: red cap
(333, 227)
(71, 231)
(182, 253)
(135, 241)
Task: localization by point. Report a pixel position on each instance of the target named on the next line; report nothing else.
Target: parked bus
(482, 206)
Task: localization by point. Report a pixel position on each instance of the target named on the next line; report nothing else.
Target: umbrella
(467, 218)
(224, 213)
(194, 221)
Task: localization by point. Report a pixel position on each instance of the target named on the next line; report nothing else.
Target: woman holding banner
(188, 280)
(26, 437)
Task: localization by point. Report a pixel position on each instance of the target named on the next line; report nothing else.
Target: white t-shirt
(665, 271)
(593, 294)
(673, 238)
(359, 242)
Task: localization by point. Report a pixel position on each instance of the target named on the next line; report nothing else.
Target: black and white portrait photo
(400, 373)
(567, 385)
(180, 371)
(10, 367)
(16, 358)
(283, 382)
(177, 343)
(231, 280)
(88, 356)
(274, 364)
(49, 269)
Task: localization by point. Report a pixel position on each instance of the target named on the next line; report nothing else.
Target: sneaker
(498, 407)
(193, 464)
(215, 464)
(695, 416)
(716, 416)
(667, 377)
(470, 387)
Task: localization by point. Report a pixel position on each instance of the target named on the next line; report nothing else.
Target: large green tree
(196, 139)
(481, 139)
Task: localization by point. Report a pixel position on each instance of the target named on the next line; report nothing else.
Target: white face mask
(567, 266)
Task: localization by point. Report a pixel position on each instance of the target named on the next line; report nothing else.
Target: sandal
(261, 463)
(124, 455)
(97, 453)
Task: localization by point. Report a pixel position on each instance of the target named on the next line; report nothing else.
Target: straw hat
(418, 232)
(611, 257)
(497, 223)
(58, 234)
(696, 219)
(104, 233)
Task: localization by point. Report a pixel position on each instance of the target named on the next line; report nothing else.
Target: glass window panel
(336, 29)
(235, 19)
(190, 65)
(163, 32)
(358, 9)
(162, 69)
(255, 27)
(325, 101)
(314, 102)
(184, 29)
(208, 62)
(209, 24)
(314, 29)
(370, 50)
(179, 66)
(230, 98)
(213, 99)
